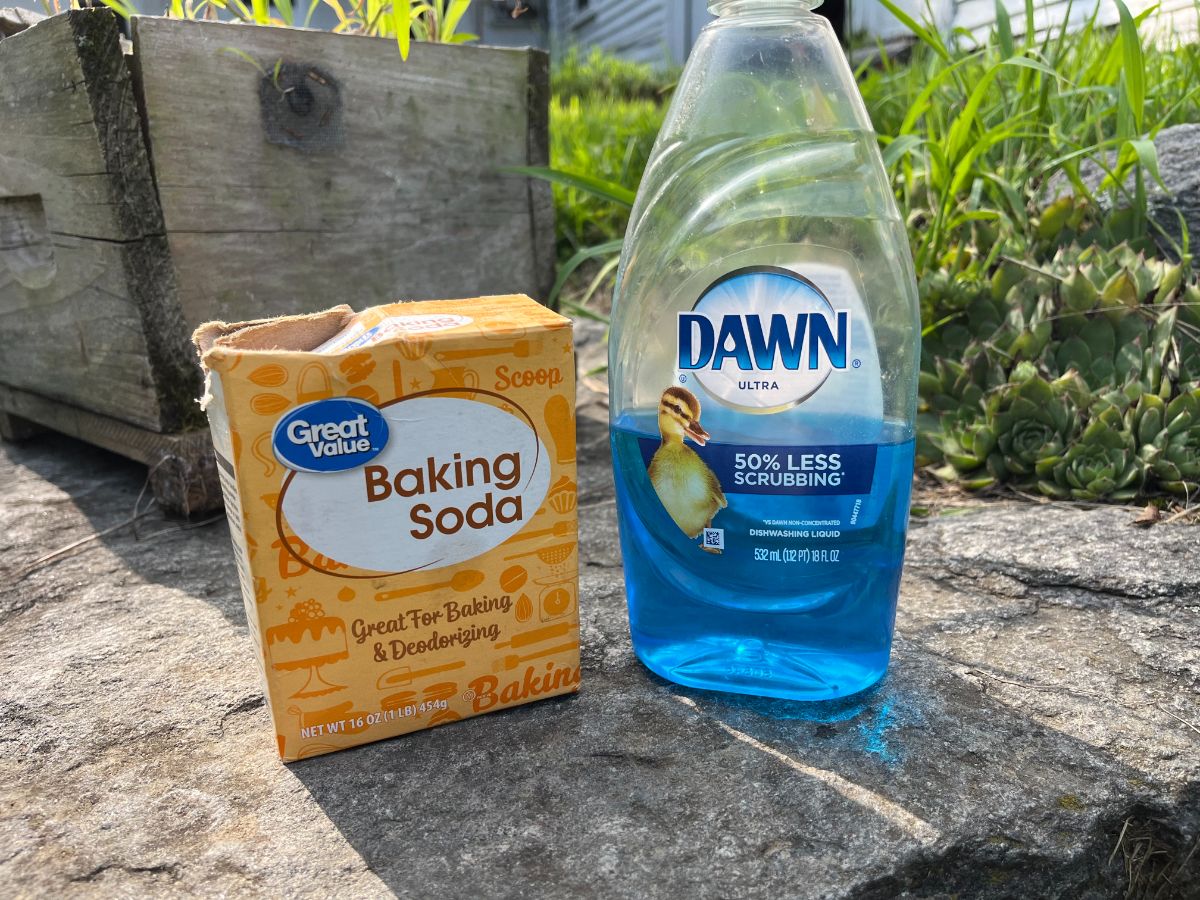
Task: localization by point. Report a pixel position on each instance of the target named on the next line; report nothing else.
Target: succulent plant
(1075, 372)
(1032, 419)
(951, 397)
(1168, 435)
(1188, 346)
(954, 386)
(966, 447)
(1103, 464)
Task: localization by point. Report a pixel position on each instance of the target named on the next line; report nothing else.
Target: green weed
(609, 140)
(597, 74)
(435, 21)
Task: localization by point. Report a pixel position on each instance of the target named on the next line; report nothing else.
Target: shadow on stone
(104, 488)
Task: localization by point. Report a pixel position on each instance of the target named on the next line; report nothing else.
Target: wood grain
(541, 197)
(87, 311)
(340, 174)
(406, 200)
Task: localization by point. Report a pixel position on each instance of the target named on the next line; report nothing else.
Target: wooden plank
(14, 429)
(87, 313)
(182, 466)
(398, 195)
(543, 241)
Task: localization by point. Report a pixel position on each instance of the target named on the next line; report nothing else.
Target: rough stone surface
(1044, 677)
(1179, 164)
(1178, 150)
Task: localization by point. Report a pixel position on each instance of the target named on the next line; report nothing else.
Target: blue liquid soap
(762, 370)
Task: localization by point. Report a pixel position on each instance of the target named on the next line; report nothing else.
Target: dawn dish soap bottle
(763, 371)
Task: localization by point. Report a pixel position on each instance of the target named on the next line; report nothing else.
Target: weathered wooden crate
(230, 172)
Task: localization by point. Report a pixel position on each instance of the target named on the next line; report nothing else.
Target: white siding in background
(872, 20)
(978, 16)
(656, 31)
(634, 29)
(653, 31)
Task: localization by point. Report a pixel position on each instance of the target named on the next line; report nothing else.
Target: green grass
(606, 138)
(974, 134)
(604, 117)
(599, 74)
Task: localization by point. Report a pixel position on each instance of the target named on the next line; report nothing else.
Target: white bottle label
(764, 339)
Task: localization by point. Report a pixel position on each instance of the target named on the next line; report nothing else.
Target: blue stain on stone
(879, 732)
(874, 734)
(883, 713)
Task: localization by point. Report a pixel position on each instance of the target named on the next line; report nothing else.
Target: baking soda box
(400, 487)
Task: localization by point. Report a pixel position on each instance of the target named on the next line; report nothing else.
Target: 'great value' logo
(330, 435)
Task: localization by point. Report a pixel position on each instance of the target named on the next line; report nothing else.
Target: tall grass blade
(1004, 32)
(900, 147)
(1147, 155)
(597, 282)
(567, 269)
(121, 8)
(600, 188)
(924, 100)
(1134, 67)
(453, 16)
(928, 36)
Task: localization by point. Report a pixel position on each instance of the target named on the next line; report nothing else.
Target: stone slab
(1036, 733)
(1175, 200)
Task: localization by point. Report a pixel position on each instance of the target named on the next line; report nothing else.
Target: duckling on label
(689, 490)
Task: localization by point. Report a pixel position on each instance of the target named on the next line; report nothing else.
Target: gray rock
(1036, 736)
(1179, 164)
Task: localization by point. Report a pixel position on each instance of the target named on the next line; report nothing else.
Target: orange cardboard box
(400, 487)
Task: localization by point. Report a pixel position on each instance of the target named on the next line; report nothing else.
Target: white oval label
(457, 478)
(762, 339)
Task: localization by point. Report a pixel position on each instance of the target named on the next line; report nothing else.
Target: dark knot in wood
(301, 107)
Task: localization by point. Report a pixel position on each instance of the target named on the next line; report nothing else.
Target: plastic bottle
(763, 364)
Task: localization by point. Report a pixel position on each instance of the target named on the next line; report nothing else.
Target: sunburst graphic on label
(762, 339)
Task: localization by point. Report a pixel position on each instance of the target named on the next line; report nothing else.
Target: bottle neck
(750, 7)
